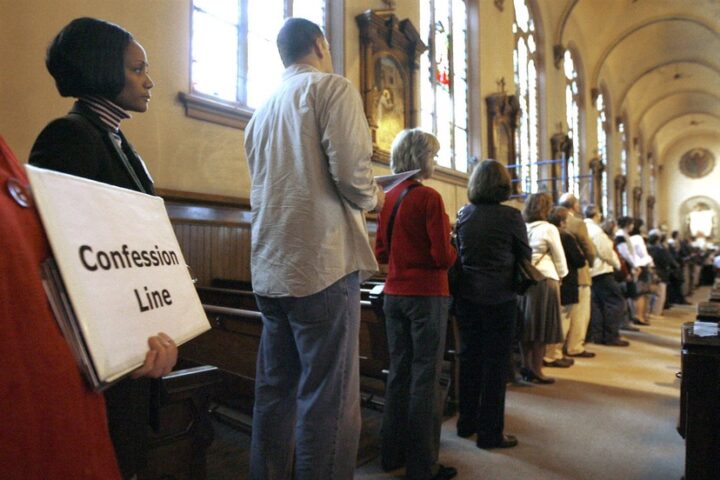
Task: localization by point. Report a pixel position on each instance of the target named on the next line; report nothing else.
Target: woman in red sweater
(415, 243)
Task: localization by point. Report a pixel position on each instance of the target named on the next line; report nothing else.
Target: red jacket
(54, 426)
(421, 252)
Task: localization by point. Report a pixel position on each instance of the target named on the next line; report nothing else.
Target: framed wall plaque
(389, 61)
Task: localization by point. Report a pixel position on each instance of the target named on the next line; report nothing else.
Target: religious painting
(389, 60)
(697, 163)
(390, 105)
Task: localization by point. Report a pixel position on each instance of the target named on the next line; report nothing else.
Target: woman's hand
(160, 359)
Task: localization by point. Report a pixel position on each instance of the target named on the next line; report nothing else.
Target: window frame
(428, 32)
(236, 114)
(528, 167)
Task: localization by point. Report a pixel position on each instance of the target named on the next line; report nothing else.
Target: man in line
(608, 304)
(309, 152)
(578, 313)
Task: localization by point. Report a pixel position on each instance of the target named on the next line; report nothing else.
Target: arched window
(234, 54)
(443, 84)
(602, 139)
(572, 115)
(526, 81)
(623, 167)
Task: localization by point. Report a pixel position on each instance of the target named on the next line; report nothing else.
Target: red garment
(421, 250)
(53, 425)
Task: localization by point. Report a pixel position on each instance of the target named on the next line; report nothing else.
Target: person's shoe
(533, 377)
(583, 354)
(637, 321)
(445, 473)
(508, 441)
(629, 328)
(560, 363)
(465, 432)
(617, 343)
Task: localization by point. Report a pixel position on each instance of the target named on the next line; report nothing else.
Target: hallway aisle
(610, 417)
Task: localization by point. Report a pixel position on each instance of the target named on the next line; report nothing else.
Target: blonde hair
(414, 149)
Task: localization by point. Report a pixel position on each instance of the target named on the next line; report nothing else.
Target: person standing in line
(52, 420)
(644, 262)
(608, 304)
(416, 246)
(541, 303)
(492, 239)
(568, 287)
(309, 151)
(106, 69)
(579, 312)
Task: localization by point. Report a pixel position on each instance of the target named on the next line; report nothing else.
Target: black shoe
(560, 363)
(445, 473)
(617, 343)
(583, 354)
(508, 441)
(629, 328)
(637, 321)
(533, 377)
(465, 431)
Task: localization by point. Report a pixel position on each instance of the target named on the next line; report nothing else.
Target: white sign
(122, 268)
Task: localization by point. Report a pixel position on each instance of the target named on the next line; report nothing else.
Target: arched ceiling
(659, 61)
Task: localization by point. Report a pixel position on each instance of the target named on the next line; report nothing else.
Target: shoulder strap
(541, 257)
(391, 222)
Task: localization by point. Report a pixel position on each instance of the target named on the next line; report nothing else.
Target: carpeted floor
(610, 417)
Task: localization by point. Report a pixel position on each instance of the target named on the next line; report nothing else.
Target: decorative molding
(206, 108)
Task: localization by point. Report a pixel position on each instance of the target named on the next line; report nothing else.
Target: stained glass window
(234, 55)
(526, 81)
(572, 115)
(602, 139)
(443, 79)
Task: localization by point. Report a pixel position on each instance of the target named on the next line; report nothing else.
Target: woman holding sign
(106, 69)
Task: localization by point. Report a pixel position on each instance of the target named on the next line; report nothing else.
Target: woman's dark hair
(624, 222)
(87, 57)
(537, 207)
(489, 183)
(637, 224)
(296, 39)
(558, 215)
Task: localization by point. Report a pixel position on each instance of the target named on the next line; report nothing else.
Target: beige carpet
(610, 417)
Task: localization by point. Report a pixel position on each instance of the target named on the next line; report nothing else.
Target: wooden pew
(374, 360)
(374, 353)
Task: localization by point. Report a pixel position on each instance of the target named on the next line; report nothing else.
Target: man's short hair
(489, 183)
(296, 39)
(414, 149)
(87, 57)
(567, 200)
(537, 207)
(590, 211)
(558, 215)
(625, 221)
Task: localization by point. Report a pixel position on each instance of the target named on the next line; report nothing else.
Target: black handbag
(526, 275)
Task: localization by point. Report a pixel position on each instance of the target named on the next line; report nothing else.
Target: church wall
(182, 153)
(676, 188)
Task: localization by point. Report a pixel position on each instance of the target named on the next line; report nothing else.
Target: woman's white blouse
(544, 238)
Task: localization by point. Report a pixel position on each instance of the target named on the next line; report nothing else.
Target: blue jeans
(307, 386)
(412, 416)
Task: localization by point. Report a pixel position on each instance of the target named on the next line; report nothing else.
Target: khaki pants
(574, 320)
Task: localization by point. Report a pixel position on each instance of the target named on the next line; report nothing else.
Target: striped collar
(110, 114)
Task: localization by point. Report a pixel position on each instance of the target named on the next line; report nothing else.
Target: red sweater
(421, 252)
